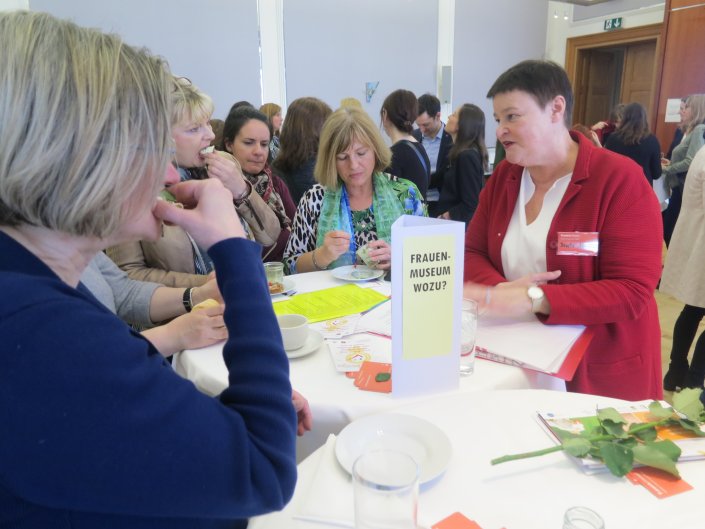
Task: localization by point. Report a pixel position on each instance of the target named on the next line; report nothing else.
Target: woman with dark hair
(246, 135)
(299, 144)
(409, 158)
(634, 140)
(467, 162)
(520, 248)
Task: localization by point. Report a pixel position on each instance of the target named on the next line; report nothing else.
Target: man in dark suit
(432, 135)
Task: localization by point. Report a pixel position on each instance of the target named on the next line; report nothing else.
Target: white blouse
(524, 246)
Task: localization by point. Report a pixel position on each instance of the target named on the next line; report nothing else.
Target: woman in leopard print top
(354, 204)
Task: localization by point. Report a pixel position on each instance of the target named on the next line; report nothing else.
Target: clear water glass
(386, 489)
(582, 518)
(468, 331)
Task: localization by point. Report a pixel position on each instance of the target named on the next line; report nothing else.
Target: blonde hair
(85, 125)
(270, 110)
(344, 127)
(189, 104)
(696, 103)
(350, 102)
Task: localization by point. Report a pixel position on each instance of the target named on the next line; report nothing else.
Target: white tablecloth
(334, 399)
(527, 494)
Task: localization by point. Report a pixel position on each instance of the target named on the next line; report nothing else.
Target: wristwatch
(536, 296)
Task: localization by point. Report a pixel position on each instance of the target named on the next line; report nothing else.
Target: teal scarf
(388, 204)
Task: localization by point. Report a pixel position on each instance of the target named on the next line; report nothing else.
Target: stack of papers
(692, 447)
(528, 343)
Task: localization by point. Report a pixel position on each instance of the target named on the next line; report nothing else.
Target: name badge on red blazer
(578, 243)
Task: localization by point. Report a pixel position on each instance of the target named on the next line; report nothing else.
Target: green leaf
(691, 426)
(610, 414)
(645, 435)
(564, 434)
(629, 442)
(619, 460)
(577, 446)
(615, 429)
(658, 455)
(688, 403)
(595, 431)
(658, 411)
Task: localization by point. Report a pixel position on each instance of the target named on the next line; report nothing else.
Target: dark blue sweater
(96, 429)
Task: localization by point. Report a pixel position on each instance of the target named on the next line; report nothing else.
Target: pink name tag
(578, 243)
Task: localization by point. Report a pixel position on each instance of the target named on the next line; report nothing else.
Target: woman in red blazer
(554, 182)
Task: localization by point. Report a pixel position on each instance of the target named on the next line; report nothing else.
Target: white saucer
(289, 285)
(357, 273)
(312, 344)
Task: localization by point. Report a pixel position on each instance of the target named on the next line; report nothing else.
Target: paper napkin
(329, 498)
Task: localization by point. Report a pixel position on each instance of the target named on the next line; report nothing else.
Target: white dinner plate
(289, 285)
(422, 440)
(311, 345)
(356, 273)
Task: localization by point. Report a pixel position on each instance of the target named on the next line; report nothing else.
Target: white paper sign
(673, 107)
(427, 292)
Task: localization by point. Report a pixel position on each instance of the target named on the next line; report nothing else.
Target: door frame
(575, 45)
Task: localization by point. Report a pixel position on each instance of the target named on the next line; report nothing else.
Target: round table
(526, 494)
(334, 399)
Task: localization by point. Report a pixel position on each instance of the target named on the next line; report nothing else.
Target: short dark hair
(430, 104)
(402, 109)
(543, 80)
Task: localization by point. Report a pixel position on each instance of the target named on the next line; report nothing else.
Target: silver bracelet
(315, 264)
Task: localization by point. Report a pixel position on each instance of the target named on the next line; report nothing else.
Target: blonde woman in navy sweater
(98, 430)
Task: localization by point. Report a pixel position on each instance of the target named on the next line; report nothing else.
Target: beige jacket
(169, 260)
(684, 273)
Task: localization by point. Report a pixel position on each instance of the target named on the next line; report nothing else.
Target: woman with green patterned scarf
(354, 203)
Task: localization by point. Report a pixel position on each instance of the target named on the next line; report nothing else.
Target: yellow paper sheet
(330, 303)
(428, 296)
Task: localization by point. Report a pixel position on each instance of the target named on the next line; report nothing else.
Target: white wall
(332, 48)
(10, 5)
(213, 43)
(559, 30)
(489, 38)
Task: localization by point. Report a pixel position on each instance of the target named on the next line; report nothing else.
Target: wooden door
(682, 72)
(638, 75)
(602, 77)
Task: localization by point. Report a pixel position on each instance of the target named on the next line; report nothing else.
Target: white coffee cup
(294, 329)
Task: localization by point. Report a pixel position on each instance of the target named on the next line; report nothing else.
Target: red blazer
(612, 293)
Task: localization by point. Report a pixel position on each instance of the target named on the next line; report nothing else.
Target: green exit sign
(613, 23)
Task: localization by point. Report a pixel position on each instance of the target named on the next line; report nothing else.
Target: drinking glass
(582, 518)
(468, 330)
(386, 489)
(275, 277)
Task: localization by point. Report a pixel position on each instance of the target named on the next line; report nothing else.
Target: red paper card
(659, 483)
(365, 379)
(456, 521)
(578, 243)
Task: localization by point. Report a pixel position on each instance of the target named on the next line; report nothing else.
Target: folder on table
(530, 344)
